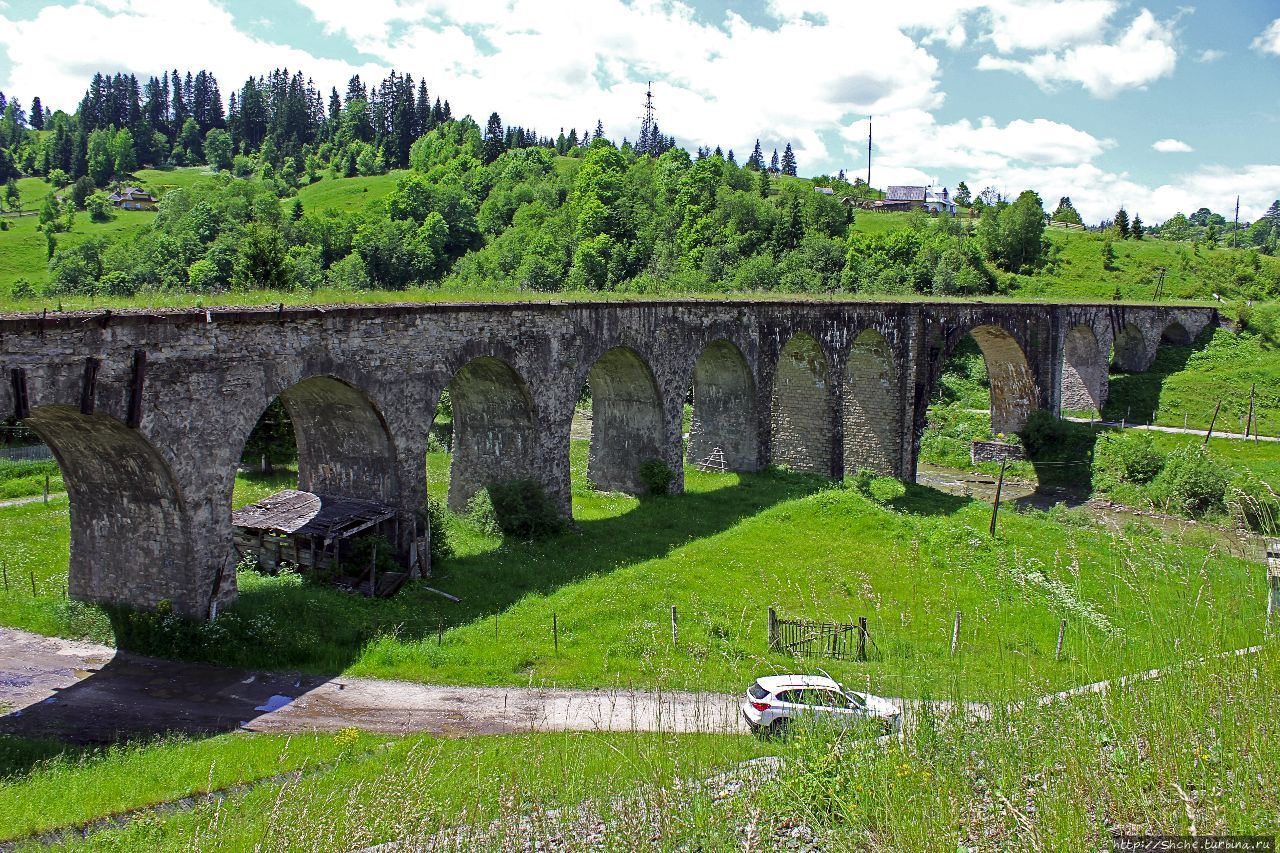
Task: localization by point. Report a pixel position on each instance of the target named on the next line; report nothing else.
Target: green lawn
(346, 194)
(723, 554)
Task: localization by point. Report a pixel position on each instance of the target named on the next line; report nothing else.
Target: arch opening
(129, 526)
(627, 425)
(800, 422)
(1129, 350)
(347, 488)
(722, 429)
(494, 433)
(1084, 372)
(1013, 386)
(872, 409)
(1176, 334)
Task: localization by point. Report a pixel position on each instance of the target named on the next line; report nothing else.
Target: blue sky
(1157, 106)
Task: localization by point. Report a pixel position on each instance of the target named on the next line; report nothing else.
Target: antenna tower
(648, 145)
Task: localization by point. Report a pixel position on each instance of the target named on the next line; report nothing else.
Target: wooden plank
(88, 392)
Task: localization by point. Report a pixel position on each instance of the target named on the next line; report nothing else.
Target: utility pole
(868, 153)
(1235, 229)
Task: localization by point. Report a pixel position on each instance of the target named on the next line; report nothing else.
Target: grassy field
(355, 790)
(27, 479)
(346, 194)
(1191, 754)
(723, 553)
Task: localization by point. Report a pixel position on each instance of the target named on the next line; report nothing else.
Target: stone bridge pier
(148, 413)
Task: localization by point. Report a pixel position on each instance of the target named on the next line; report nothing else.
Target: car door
(837, 707)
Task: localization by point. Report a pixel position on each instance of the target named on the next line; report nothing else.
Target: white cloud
(1046, 24)
(88, 35)
(1210, 55)
(1171, 146)
(1268, 41)
(1144, 53)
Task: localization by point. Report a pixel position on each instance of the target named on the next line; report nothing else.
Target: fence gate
(802, 638)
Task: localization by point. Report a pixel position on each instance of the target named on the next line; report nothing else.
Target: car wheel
(779, 728)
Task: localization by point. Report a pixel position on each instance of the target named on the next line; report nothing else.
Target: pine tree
(756, 160)
(841, 177)
(789, 161)
(762, 184)
(731, 158)
(1122, 223)
(37, 114)
(773, 163)
(494, 143)
(599, 134)
(1136, 228)
(963, 195)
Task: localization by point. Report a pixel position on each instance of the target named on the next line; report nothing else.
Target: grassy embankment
(355, 790)
(723, 553)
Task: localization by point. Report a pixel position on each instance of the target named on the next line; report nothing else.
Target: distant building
(824, 190)
(132, 198)
(917, 198)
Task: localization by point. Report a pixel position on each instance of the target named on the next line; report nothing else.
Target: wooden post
(1248, 424)
(1062, 632)
(33, 584)
(555, 631)
(862, 638)
(995, 504)
(46, 488)
(773, 629)
(373, 572)
(955, 634)
(1212, 421)
(675, 635)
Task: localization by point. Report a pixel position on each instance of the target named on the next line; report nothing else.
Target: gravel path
(89, 693)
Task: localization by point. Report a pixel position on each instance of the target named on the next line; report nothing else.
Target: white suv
(775, 700)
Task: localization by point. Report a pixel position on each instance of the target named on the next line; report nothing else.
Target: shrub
(432, 517)
(656, 477)
(886, 490)
(481, 514)
(1128, 456)
(522, 510)
(367, 548)
(23, 289)
(1253, 502)
(1192, 481)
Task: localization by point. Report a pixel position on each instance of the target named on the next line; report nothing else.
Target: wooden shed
(312, 532)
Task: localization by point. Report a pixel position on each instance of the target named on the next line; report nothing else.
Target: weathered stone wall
(800, 429)
(724, 409)
(148, 412)
(872, 407)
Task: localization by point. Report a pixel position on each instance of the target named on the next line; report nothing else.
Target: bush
(1192, 481)
(370, 547)
(522, 510)
(886, 490)
(1128, 456)
(432, 517)
(481, 514)
(1254, 503)
(23, 289)
(100, 208)
(656, 477)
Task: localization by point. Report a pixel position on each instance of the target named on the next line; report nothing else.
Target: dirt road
(88, 693)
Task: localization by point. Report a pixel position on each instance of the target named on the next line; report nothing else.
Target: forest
(494, 207)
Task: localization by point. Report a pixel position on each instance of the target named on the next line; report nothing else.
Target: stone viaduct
(148, 412)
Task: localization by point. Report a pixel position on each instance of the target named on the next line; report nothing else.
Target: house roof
(905, 194)
(307, 514)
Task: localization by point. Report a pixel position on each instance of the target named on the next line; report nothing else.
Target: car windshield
(854, 699)
(757, 692)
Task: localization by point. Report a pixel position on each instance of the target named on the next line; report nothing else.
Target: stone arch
(800, 421)
(130, 541)
(495, 436)
(1013, 385)
(1175, 334)
(344, 444)
(627, 424)
(1084, 371)
(1129, 351)
(872, 409)
(724, 408)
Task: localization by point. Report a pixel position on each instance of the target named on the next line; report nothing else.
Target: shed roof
(307, 514)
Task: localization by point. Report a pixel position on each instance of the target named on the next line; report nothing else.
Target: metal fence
(31, 453)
